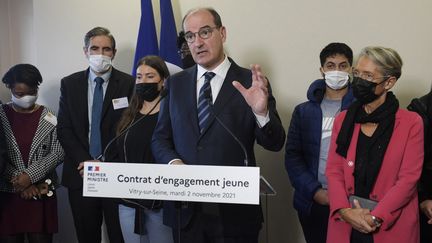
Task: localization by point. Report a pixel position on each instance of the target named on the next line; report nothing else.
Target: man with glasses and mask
(189, 133)
(309, 135)
(91, 104)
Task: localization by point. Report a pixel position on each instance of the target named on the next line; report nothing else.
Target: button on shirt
(90, 92)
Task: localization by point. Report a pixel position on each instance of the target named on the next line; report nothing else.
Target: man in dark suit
(91, 103)
(188, 132)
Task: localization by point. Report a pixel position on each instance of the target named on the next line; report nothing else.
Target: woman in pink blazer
(376, 154)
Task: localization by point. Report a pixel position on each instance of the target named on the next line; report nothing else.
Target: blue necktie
(205, 101)
(95, 134)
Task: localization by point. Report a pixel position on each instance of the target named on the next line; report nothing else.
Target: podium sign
(219, 184)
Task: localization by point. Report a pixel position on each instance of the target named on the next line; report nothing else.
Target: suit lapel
(226, 92)
(81, 100)
(110, 93)
(43, 130)
(191, 97)
(13, 149)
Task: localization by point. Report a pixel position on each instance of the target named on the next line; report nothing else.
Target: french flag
(147, 42)
(95, 168)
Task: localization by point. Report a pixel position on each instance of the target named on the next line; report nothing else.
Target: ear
(223, 33)
(114, 53)
(322, 72)
(86, 53)
(390, 83)
(161, 84)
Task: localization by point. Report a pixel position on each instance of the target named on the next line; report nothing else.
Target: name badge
(120, 103)
(49, 117)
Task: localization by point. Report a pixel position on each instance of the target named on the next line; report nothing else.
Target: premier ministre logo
(95, 174)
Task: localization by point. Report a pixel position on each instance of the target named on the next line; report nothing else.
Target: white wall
(16, 42)
(284, 36)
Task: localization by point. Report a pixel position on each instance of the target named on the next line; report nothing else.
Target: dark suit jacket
(177, 136)
(73, 122)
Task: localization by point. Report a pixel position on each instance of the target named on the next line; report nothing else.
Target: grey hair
(388, 60)
(98, 31)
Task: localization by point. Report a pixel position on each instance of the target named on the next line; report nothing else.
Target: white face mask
(336, 79)
(99, 63)
(24, 102)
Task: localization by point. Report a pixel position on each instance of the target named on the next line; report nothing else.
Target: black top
(138, 150)
(363, 148)
(138, 141)
(360, 189)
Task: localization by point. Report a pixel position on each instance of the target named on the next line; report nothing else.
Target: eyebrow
(206, 26)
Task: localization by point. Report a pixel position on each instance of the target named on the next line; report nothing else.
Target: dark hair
(155, 62)
(22, 73)
(336, 48)
(98, 31)
(136, 102)
(216, 17)
(180, 40)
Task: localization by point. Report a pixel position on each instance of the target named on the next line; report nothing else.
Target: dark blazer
(73, 123)
(177, 136)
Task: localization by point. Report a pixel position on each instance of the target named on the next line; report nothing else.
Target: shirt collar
(221, 70)
(105, 76)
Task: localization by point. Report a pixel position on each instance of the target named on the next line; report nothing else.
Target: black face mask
(364, 91)
(188, 61)
(147, 91)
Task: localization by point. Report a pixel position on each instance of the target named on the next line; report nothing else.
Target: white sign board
(221, 184)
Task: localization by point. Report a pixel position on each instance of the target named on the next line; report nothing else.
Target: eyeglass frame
(205, 28)
(371, 78)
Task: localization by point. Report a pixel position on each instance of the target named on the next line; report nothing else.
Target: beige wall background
(284, 36)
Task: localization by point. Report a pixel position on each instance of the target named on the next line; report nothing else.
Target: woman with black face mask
(141, 220)
(375, 159)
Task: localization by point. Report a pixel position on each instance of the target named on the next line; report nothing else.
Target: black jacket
(73, 122)
(423, 106)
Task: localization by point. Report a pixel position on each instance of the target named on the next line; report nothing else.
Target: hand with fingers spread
(359, 218)
(257, 95)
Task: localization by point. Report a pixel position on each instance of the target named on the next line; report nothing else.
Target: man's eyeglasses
(203, 33)
(367, 76)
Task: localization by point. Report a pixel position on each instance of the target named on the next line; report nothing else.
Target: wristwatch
(376, 221)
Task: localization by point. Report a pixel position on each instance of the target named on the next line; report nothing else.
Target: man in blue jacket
(309, 135)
